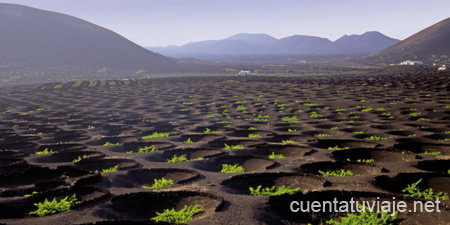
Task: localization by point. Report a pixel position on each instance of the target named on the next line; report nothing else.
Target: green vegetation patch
(156, 135)
(175, 158)
(226, 168)
(80, 158)
(146, 149)
(338, 148)
(111, 144)
(413, 191)
(209, 131)
(228, 147)
(272, 191)
(57, 205)
(337, 173)
(110, 169)
(183, 216)
(161, 183)
(366, 217)
(276, 156)
(45, 152)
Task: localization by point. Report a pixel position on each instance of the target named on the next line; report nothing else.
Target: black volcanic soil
(390, 118)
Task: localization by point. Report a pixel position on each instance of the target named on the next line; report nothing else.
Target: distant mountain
(33, 34)
(366, 43)
(263, 44)
(234, 45)
(431, 45)
(263, 39)
(304, 45)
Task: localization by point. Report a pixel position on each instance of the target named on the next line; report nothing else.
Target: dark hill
(366, 43)
(431, 45)
(304, 45)
(54, 38)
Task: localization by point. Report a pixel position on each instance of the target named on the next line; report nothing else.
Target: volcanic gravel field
(400, 121)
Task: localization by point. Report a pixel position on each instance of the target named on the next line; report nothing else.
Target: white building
(411, 63)
(244, 72)
(442, 68)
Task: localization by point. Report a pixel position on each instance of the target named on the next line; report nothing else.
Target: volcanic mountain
(430, 45)
(29, 34)
(366, 43)
(263, 44)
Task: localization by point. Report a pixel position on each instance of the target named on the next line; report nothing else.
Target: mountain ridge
(250, 44)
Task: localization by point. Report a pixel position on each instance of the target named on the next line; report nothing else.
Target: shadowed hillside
(30, 34)
(430, 45)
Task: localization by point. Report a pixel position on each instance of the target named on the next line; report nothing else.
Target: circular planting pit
(404, 133)
(12, 154)
(439, 137)
(423, 147)
(372, 136)
(386, 127)
(438, 182)
(281, 205)
(104, 163)
(45, 130)
(435, 130)
(146, 177)
(135, 146)
(247, 133)
(418, 139)
(7, 134)
(293, 138)
(21, 207)
(112, 140)
(144, 205)
(25, 146)
(27, 179)
(150, 132)
(288, 150)
(18, 139)
(70, 133)
(119, 127)
(248, 163)
(439, 166)
(67, 138)
(62, 147)
(68, 156)
(359, 129)
(119, 132)
(15, 169)
(203, 129)
(200, 137)
(357, 168)
(191, 153)
(241, 184)
(378, 155)
(5, 162)
(345, 143)
(246, 143)
(126, 222)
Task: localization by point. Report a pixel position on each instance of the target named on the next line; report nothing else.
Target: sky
(152, 23)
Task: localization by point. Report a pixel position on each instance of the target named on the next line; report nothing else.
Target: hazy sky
(177, 22)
